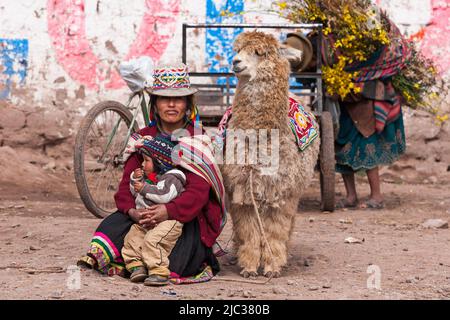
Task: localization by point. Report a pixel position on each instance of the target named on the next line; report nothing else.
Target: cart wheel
(327, 162)
(97, 156)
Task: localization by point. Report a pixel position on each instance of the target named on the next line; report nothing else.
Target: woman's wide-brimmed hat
(171, 81)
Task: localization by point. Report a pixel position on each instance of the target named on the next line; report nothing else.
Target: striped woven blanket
(196, 154)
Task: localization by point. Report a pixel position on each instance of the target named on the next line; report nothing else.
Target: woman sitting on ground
(201, 211)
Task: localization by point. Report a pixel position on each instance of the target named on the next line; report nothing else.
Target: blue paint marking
(219, 42)
(13, 64)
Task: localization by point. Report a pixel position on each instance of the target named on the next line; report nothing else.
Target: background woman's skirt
(354, 152)
(190, 260)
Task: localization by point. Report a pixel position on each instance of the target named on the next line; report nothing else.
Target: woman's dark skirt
(354, 152)
(190, 260)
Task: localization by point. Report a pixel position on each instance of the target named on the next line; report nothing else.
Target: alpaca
(261, 102)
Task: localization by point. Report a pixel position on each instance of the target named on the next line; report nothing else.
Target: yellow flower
(433, 95)
(442, 118)
(282, 5)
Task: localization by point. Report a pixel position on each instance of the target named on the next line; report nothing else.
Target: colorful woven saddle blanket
(302, 123)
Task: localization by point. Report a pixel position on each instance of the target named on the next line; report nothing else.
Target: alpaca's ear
(237, 45)
(260, 51)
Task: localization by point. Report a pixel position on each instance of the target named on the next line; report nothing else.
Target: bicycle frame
(145, 113)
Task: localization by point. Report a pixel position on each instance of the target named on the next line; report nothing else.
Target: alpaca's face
(247, 61)
(245, 64)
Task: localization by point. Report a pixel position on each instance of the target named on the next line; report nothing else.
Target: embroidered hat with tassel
(151, 117)
(195, 117)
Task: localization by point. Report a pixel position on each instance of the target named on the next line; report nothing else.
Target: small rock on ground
(279, 290)
(248, 294)
(57, 295)
(436, 223)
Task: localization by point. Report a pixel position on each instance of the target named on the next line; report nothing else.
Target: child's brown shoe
(155, 280)
(139, 274)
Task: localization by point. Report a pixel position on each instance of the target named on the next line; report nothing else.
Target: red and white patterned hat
(171, 81)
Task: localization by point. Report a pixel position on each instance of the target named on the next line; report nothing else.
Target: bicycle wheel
(98, 152)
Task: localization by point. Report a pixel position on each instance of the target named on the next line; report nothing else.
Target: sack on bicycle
(137, 73)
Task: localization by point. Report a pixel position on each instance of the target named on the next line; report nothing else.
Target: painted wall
(66, 52)
(426, 20)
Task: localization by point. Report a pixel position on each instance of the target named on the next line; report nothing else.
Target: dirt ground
(45, 228)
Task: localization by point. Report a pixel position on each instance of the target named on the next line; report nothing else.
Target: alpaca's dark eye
(259, 53)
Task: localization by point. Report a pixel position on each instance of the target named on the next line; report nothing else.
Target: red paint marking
(66, 26)
(433, 39)
(436, 43)
(418, 36)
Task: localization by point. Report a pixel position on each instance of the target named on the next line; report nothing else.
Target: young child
(145, 252)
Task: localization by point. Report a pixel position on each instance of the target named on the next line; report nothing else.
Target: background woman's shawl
(374, 74)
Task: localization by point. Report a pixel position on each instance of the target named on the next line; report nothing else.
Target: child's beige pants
(151, 248)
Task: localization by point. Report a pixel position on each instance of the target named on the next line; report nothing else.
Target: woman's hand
(136, 214)
(154, 215)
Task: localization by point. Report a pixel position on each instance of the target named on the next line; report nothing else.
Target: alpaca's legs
(248, 240)
(236, 243)
(277, 227)
(292, 226)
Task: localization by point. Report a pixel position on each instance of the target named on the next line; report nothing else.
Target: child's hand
(138, 173)
(138, 185)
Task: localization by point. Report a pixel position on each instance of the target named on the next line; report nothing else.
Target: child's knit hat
(159, 148)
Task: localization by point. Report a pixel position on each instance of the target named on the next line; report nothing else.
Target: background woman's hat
(172, 81)
(299, 41)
